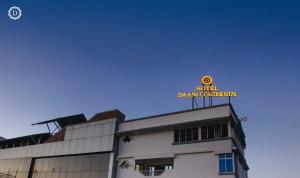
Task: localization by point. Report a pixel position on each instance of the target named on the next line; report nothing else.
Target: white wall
(180, 118)
(198, 165)
(190, 160)
(161, 143)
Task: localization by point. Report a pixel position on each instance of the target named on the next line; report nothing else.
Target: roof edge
(182, 111)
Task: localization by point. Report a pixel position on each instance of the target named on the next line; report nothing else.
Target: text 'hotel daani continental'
(206, 142)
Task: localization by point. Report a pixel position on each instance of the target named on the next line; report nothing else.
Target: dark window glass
(204, 132)
(228, 155)
(226, 163)
(217, 131)
(195, 133)
(222, 156)
(224, 130)
(189, 134)
(211, 132)
(214, 131)
(229, 165)
(176, 136)
(186, 135)
(182, 135)
(222, 165)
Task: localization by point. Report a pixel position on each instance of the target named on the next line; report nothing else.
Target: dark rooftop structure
(62, 122)
(24, 141)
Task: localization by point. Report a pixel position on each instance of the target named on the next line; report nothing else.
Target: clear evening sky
(68, 57)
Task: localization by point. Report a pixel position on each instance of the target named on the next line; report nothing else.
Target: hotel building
(205, 142)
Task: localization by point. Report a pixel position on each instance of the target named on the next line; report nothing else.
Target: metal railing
(152, 173)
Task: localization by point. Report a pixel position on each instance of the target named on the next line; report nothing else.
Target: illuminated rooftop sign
(207, 89)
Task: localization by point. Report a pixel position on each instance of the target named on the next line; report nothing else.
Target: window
(210, 132)
(224, 129)
(204, 133)
(176, 136)
(182, 135)
(186, 135)
(154, 167)
(226, 163)
(214, 131)
(195, 133)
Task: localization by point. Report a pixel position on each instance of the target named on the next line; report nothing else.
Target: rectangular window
(204, 133)
(211, 133)
(217, 131)
(214, 131)
(176, 136)
(195, 133)
(226, 163)
(186, 135)
(182, 135)
(224, 129)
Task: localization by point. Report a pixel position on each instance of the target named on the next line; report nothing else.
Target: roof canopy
(65, 121)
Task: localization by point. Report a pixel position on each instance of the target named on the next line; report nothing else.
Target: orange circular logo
(206, 80)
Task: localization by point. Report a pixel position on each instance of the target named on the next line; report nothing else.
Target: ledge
(226, 173)
(201, 141)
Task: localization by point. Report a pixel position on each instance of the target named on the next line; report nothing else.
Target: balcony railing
(152, 173)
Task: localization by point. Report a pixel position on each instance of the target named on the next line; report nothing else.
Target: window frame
(224, 157)
(189, 134)
(208, 132)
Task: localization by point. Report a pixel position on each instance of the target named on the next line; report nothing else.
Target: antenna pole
(203, 99)
(193, 102)
(210, 98)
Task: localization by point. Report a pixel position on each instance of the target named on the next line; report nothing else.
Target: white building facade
(206, 142)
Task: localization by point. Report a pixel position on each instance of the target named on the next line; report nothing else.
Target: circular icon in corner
(14, 13)
(206, 80)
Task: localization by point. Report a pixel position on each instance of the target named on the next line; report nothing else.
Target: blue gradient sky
(67, 57)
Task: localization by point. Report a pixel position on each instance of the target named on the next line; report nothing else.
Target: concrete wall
(192, 160)
(203, 165)
(82, 138)
(173, 119)
(162, 143)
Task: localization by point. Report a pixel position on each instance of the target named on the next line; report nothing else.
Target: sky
(68, 57)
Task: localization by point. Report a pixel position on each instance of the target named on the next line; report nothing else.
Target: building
(206, 142)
